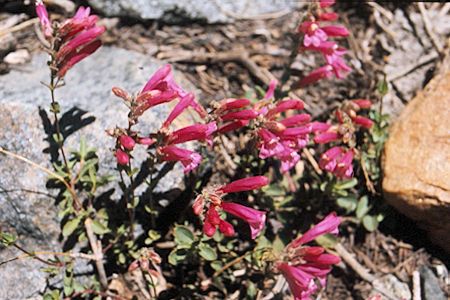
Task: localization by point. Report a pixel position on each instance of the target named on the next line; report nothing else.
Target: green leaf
(383, 86)
(327, 240)
(58, 138)
(207, 252)
(216, 265)
(251, 291)
(278, 244)
(348, 203)
(345, 185)
(89, 164)
(177, 255)
(70, 226)
(273, 190)
(183, 235)
(83, 148)
(363, 207)
(55, 108)
(370, 222)
(7, 239)
(99, 228)
(102, 214)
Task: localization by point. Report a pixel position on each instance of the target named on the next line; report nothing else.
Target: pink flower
(81, 39)
(146, 141)
(289, 158)
(326, 137)
(232, 126)
(319, 126)
(76, 55)
(256, 219)
(245, 184)
(307, 263)
(344, 167)
(328, 16)
(178, 109)
(335, 31)
(364, 122)
(270, 145)
(295, 120)
(316, 75)
(46, 26)
(122, 157)
(193, 132)
(189, 159)
(293, 132)
(127, 142)
(159, 80)
(121, 93)
(314, 35)
(328, 159)
(362, 103)
(153, 98)
(286, 105)
(270, 91)
(326, 3)
(232, 103)
(246, 114)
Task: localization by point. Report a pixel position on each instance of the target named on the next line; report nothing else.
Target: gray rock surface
(211, 11)
(430, 285)
(26, 206)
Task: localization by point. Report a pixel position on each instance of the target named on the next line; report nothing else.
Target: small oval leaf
(183, 235)
(207, 252)
(370, 222)
(70, 226)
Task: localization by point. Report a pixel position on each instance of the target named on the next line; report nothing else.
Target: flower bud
(127, 142)
(133, 266)
(122, 157)
(144, 263)
(198, 205)
(121, 93)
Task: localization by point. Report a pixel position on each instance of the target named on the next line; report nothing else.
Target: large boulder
(416, 162)
(27, 207)
(211, 11)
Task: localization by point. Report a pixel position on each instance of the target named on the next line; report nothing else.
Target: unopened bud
(144, 263)
(198, 205)
(127, 142)
(121, 93)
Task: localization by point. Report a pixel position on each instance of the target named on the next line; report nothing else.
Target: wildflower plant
(211, 236)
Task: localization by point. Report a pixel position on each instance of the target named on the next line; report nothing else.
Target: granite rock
(430, 285)
(88, 108)
(416, 162)
(174, 11)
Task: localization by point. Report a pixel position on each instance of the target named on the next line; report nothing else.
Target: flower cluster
(71, 41)
(300, 264)
(338, 160)
(147, 261)
(161, 88)
(210, 203)
(315, 38)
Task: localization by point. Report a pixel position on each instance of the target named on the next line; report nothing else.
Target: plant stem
(33, 255)
(236, 260)
(97, 249)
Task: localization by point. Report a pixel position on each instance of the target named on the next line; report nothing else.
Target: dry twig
(429, 29)
(416, 285)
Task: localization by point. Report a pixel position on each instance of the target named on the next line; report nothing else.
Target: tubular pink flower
(246, 114)
(72, 26)
(76, 56)
(178, 109)
(274, 126)
(295, 120)
(286, 105)
(298, 143)
(256, 219)
(82, 12)
(362, 103)
(364, 122)
(146, 141)
(328, 225)
(319, 126)
(326, 48)
(245, 184)
(232, 126)
(122, 157)
(127, 142)
(226, 228)
(213, 216)
(208, 228)
(316, 75)
(328, 159)
(335, 31)
(270, 145)
(344, 167)
(326, 3)
(189, 159)
(300, 283)
(339, 65)
(232, 103)
(151, 101)
(193, 132)
(81, 39)
(314, 35)
(326, 137)
(288, 159)
(293, 132)
(46, 26)
(269, 94)
(157, 78)
(331, 16)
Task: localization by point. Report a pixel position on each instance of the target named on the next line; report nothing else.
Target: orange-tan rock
(416, 162)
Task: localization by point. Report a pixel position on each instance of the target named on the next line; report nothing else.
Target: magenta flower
(289, 158)
(81, 39)
(286, 105)
(246, 114)
(328, 16)
(328, 160)
(232, 103)
(76, 55)
(362, 103)
(245, 184)
(178, 109)
(326, 137)
(295, 120)
(326, 3)
(232, 126)
(193, 132)
(316, 75)
(303, 264)
(364, 122)
(344, 167)
(256, 219)
(314, 35)
(271, 145)
(46, 26)
(122, 157)
(127, 142)
(269, 94)
(189, 159)
(335, 31)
